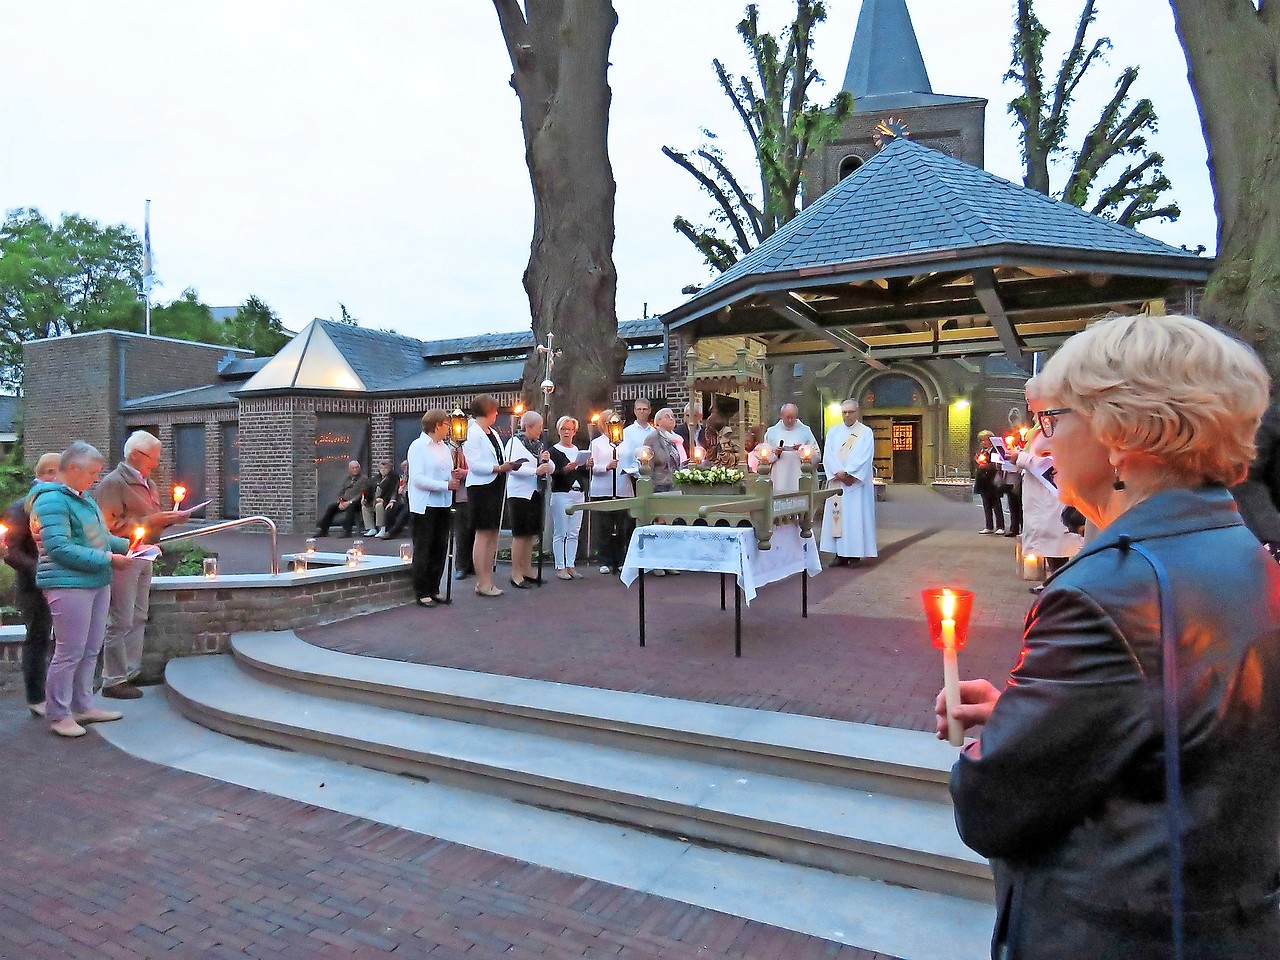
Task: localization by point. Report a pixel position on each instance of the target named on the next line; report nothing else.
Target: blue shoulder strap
(1172, 755)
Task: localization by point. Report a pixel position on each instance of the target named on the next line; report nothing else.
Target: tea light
(210, 567)
(300, 563)
(406, 553)
(357, 546)
(311, 545)
(353, 558)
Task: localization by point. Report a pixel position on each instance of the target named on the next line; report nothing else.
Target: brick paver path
(105, 856)
(863, 653)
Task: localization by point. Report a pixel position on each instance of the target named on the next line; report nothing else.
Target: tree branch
(716, 192)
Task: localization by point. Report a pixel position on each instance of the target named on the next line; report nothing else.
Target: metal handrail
(227, 525)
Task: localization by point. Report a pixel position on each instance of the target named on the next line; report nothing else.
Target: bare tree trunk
(1232, 51)
(559, 51)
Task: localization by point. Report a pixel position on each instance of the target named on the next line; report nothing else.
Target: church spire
(886, 56)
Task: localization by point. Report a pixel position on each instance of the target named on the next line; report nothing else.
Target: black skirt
(486, 504)
(525, 516)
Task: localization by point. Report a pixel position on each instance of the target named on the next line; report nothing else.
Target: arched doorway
(898, 408)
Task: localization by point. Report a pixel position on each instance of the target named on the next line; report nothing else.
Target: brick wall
(186, 621)
(164, 422)
(74, 386)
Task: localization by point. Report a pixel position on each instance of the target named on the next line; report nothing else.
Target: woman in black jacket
(987, 485)
(378, 497)
(1151, 658)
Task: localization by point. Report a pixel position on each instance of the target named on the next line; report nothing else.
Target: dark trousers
(611, 532)
(38, 647)
(992, 510)
(430, 550)
(349, 517)
(464, 537)
(397, 519)
(1015, 510)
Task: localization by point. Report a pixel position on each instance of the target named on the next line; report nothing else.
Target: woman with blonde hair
(568, 486)
(1126, 782)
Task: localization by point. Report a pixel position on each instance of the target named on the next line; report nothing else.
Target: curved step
(905, 763)
(900, 840)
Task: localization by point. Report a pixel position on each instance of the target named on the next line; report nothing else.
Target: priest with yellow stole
(849, 523)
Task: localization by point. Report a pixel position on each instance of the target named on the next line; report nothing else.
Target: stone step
(888, 920)
(900, 840)
(904, 763)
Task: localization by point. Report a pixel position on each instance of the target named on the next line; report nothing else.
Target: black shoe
(1013, 533)
(852, 561)
(838, 562)
(462, 574)
(121, 691)
(519, 584)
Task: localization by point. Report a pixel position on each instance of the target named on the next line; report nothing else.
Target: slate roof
(646, 361)
(213, 395)
(378, 357)
(909, 200)
(885, 57)
(241, 368)
(521, 341)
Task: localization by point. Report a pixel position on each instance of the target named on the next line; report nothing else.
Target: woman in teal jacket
(76, 554)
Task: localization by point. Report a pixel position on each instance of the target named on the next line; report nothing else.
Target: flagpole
(146, 266)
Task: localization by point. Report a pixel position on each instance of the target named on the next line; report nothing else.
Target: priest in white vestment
(786, 437)
(849, 522)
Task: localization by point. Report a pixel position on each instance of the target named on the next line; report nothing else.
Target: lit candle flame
(764, 452)
(138, 534)
(948, 605)
(179, 494)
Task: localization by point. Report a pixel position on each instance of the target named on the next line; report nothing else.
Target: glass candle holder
(358, 547)
(353, 558)
(406, 552)
(300, 563)
(210, 567)
(311, 545)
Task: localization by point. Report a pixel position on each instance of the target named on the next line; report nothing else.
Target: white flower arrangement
(708, 475)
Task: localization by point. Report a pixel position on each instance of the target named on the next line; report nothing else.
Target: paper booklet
(147, 551)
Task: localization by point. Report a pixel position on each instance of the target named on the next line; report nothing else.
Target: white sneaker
(370, 532)
(986, 530)
(999, 531)
(382, 533)
(604, 569)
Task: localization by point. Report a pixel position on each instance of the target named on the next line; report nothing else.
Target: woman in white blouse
(524, 496)
(568, 486)
(486, 471)
(432, 480)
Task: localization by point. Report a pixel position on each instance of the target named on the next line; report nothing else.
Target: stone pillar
(277, 461)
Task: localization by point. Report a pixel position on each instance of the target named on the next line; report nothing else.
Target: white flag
(146, 253)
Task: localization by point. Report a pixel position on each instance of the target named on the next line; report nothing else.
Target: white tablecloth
(722, 550)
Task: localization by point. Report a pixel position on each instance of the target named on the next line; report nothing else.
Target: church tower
(893, 97)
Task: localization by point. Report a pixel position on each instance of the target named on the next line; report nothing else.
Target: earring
(1117, 483)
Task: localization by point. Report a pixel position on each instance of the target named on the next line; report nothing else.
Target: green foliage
(345, 317)
(71, 277)
(1120, 131)
(182, 559)
(785, 129)
(255, 327)
(15, 480)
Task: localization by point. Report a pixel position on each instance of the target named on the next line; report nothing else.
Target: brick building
(273, 435)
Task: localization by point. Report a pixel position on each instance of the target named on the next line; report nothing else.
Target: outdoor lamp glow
(615, 429)
(645, 454)
(947, 611)
(457, 425)
(806, 453)
(699, 455)
(518, 409)
(765, 453)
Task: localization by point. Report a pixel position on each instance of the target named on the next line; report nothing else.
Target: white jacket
(482, 459)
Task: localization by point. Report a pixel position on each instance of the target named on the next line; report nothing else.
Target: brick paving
(109, 856)
(862, 655)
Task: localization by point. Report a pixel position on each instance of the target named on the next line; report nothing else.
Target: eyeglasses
(1048, 420)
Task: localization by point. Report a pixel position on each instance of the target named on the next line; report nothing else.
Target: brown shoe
(121, 691)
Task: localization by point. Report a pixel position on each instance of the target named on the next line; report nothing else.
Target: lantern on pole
(457, 426)
(947, 611)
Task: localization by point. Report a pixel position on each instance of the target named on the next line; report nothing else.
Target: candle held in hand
(179, 494)
(947, 611)
(138, 534)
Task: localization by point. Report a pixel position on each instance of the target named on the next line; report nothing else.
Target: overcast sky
(371, 153)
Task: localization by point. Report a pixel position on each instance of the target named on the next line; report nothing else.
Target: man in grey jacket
(129, 499)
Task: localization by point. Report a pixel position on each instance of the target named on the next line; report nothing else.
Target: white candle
(1030, 567)
(951, 682)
